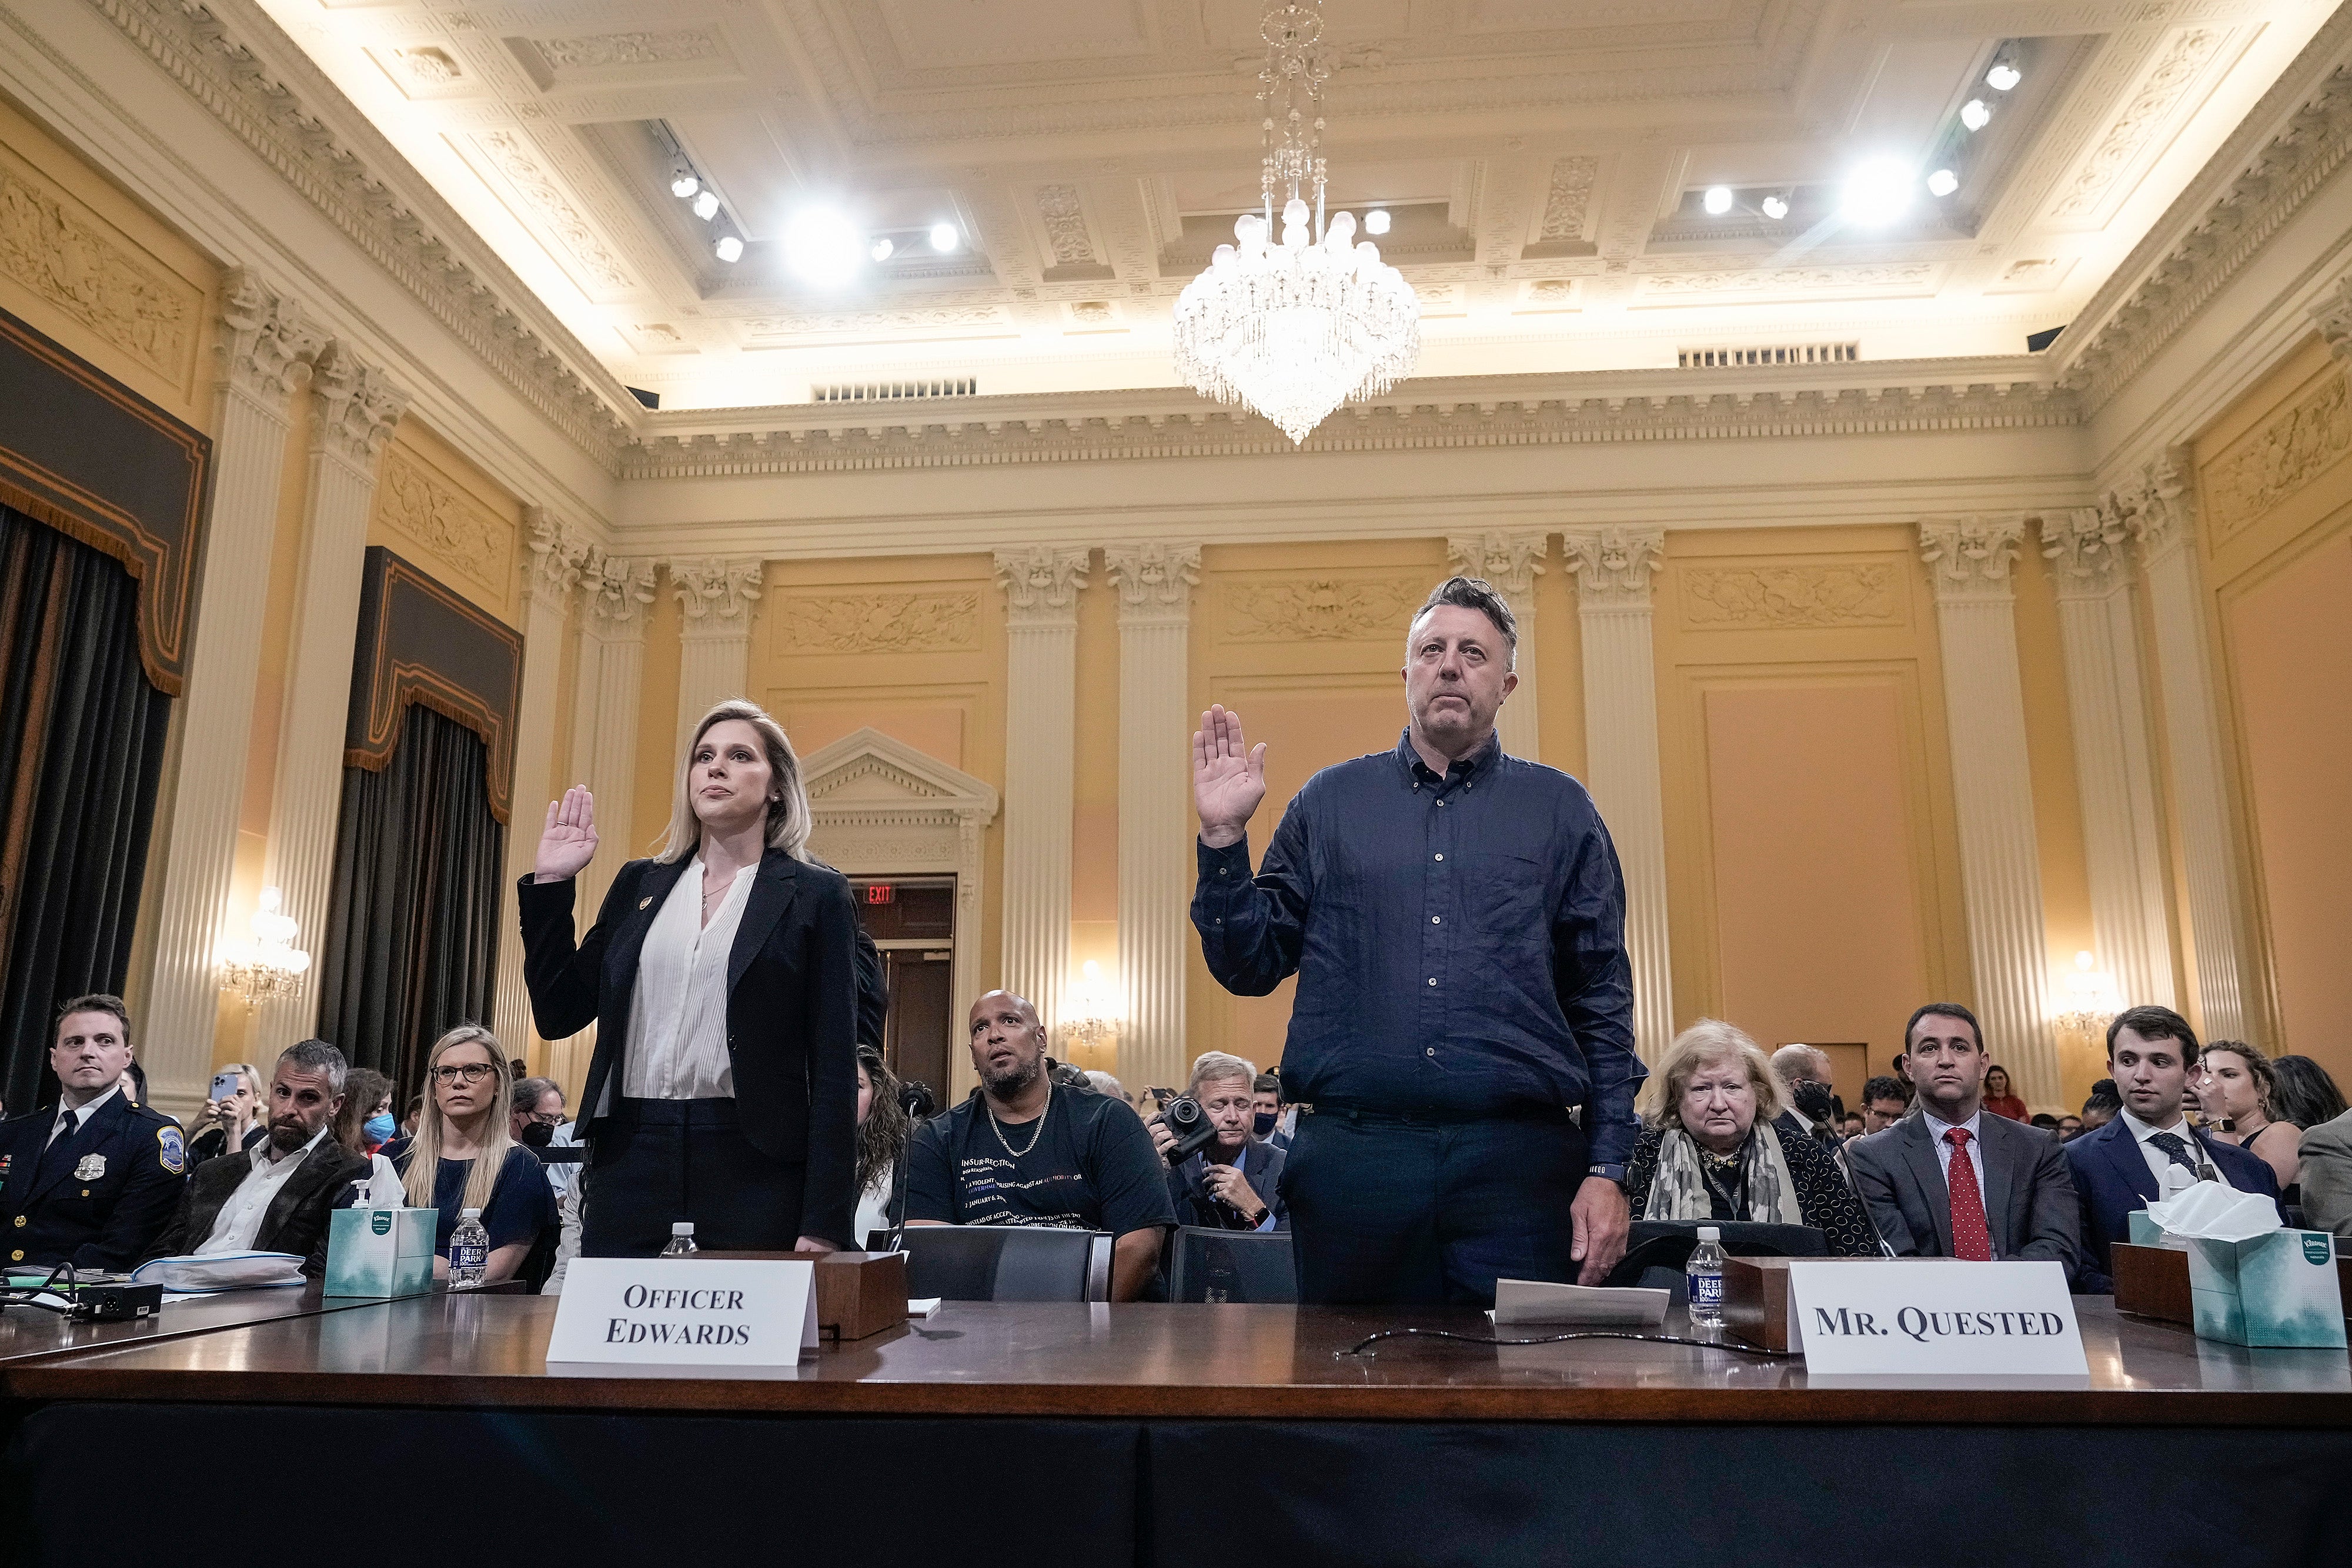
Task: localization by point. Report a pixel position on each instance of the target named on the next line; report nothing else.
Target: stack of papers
(1530, 1301)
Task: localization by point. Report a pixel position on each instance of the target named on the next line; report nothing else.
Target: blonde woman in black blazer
(723, 977)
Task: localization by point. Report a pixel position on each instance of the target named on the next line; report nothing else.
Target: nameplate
(654, 1317)
(1937, 1321)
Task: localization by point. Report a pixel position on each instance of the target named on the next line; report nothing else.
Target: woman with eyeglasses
(464, 1157)
(724, 978)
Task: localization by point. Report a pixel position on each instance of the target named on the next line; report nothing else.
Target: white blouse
(677, 1048)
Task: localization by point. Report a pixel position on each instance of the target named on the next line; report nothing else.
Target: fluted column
(1156, 867)
(1511, 563)
(262, 342)
(2113, 774)
(2163, 523)
(356, 408)
(1969, 562)
(618, 597)
(715, 643)
(1041, 595)
(556, 553)
(1614, 569)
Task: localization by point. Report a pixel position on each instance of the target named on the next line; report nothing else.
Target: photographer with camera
(1220, 1175)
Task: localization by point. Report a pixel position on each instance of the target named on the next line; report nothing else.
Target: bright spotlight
(1776, 207)
(1717, 200)
(823, 247)
(1876, 193)
(729, 248)
(1943, 183)
(1975, 114)
(682, 182)
(1376, 222)
(943, 237)
(706, 205)
(882, 249)
(2003, 75)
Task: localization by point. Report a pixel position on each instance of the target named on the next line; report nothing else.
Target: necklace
(998, 1127)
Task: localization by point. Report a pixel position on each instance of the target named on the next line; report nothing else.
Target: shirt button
(1432, 980)
(1441, 857)
(17, 1256)
(1433, 920)
(20, 1222)
(1431, 1051)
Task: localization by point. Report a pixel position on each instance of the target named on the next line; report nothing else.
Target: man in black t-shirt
(1025, 1150)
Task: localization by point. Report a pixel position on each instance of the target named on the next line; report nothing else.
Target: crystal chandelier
(268, 966)
(1293, 329)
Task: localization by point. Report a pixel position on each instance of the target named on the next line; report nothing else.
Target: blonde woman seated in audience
(2237, 1088)
(1709, 1151)
(232, 1123)
(464, 1158)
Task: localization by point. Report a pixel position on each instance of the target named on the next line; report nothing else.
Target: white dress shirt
(69, 1122)
(677, 1048)
(1974, 1128)
(2158, 1162)
(240, 1217)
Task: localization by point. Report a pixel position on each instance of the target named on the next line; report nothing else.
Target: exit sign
(881, 892)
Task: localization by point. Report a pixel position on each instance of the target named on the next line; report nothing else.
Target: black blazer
(2029, 1204)
(793, 1002)
(296, 1221)
(97, 1197)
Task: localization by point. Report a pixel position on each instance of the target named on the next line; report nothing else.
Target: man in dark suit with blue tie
(2151, 1051)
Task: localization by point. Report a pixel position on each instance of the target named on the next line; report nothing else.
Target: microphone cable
(1361, 1348)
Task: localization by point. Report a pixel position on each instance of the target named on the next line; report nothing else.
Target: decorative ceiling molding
(2296, 138)
(1496, 410)
(276, 101)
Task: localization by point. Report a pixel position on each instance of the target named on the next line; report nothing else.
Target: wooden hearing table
(1053, 1433)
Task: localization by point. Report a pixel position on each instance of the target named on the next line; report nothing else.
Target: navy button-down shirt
(1459, 941)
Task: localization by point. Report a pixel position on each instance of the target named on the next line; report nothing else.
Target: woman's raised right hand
(568, 842)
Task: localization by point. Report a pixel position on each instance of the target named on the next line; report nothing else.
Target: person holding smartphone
(232, 1122)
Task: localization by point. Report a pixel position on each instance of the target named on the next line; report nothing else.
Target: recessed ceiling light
(1876, 193)
(2003, 75)
(1943, 183)
(706, 205)
(729, 248)
(682, 182)
(823, 247)
(1376, 222)
(882, 249)
(1717, 200)
(1776, 207)
(1975, 113)
(943, 237)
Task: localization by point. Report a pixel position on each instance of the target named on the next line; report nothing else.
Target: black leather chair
(1657, 1251)
(1208, 1265)
(1006, 1263)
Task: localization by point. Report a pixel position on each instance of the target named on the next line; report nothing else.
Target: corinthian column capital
(1041, 583)
(357, 406)
(1970, 557)
(2085, 548)
(262, 340)
(1154, 577)
(1614, 566)
(717, 594)
(1511, 562)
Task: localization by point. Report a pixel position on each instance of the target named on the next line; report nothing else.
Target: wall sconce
(1091, 1018)
(268, 966)
(2091, 1000)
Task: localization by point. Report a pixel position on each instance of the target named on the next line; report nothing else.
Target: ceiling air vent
(887, 392)
(1773, 354)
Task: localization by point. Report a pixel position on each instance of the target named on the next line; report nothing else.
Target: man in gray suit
(1951, 1182)
(2327, 1176)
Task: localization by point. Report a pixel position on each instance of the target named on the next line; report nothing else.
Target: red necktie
(1970, 1239)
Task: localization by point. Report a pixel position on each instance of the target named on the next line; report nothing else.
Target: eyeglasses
(548, 1118)
(471, 1071)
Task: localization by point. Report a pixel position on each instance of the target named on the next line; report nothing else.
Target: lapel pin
(643, 901)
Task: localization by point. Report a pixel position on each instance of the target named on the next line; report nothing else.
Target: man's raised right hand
(569, 841)
(1228, 778)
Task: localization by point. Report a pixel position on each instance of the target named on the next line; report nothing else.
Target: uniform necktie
(2174, 1144)
(1970, 1237)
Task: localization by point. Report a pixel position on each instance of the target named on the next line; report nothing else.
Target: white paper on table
(2212, 1211)
(922, 1306)
(1519, 1301)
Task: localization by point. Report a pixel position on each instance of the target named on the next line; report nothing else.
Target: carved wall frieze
(1969, 558)
(2086, 545)
(1041, 583)
(79, 266)
(1337, 609)
(2262, 469)
(1613, 566)
(884, 622)
(450, 527)
(1789, 598)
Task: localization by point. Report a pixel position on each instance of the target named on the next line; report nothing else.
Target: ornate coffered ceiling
(1543, 161)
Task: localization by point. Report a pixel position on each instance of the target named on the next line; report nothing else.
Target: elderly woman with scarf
(1709, 1151)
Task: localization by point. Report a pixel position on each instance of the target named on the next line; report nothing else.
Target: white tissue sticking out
(2210, 1211)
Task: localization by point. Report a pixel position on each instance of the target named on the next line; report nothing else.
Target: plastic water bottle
(1706, 1277)
(681, 1239)
(469, 1253)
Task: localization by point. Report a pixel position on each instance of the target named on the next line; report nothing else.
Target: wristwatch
(1613, 1173)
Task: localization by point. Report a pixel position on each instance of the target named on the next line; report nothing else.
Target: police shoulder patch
(173, 1149)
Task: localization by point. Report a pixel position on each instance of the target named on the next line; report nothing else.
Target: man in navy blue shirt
(1455, 917)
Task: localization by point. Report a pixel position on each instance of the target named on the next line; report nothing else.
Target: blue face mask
(380, 1128)
(1266, 1121)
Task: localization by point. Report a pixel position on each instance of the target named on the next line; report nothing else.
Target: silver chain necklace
(998, 1127)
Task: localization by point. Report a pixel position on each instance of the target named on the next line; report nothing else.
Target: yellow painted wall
(2275, 494)
(658, 758)
(1094, 820)
(435, 508)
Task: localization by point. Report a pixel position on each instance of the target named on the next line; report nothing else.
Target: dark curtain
(411, 942)
(81, 759)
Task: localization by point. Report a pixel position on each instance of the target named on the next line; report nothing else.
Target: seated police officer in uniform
(90, 1181)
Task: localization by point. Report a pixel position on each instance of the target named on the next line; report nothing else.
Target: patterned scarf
(1679, 1189)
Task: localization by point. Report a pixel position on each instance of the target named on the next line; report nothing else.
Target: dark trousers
(654, 1162)
(1410, 1211)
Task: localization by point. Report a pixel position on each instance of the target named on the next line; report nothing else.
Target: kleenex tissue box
(2277, 1289)
(380, 1252)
